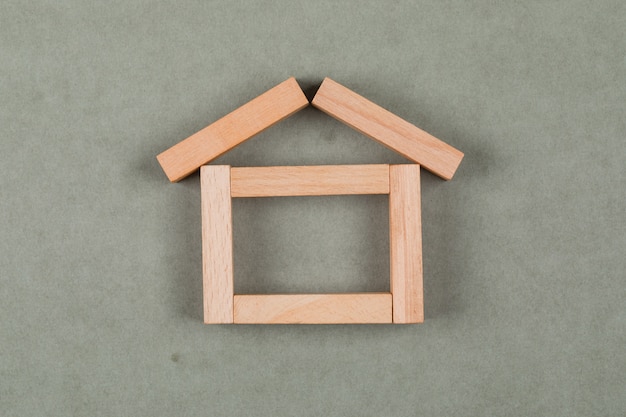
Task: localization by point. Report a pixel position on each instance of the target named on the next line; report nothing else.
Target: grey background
(100, 266)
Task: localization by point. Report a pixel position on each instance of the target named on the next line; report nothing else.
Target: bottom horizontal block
(313, 308)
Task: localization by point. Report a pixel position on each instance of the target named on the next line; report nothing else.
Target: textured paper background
(524, 250)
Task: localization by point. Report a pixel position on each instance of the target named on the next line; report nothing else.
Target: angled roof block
(218, 138)
(387, 128)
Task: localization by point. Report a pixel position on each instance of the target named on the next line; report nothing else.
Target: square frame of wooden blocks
(403, 304)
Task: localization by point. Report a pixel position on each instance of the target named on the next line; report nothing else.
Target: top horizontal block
(269, 108)
(385, 127)
(309, 180)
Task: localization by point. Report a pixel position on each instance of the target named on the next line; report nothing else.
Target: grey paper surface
(524, 250)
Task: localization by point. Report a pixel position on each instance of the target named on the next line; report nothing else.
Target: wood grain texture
(253, 117)
(309, 180)
(217, 244)
(313, 308)
(405, 236)
(387, 128)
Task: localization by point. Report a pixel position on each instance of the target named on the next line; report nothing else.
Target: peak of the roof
(286, 99)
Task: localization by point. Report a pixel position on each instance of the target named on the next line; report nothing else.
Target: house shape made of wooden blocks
(220, 183)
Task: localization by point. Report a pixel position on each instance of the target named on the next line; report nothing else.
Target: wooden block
(217, 244)
(264, 111)
(387, 128)
(309, 180)
(313, 308)
(405, 223)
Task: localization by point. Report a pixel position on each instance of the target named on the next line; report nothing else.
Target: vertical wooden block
(405, 222)
(253, 117)
(387, 128)
(217, 244)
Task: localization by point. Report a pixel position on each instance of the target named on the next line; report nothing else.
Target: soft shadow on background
(100, 256)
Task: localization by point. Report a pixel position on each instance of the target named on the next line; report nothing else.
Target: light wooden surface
(405, 237)
(253, 117)
(313, 308)
(309, 180)
(387, 128)
(217, 244)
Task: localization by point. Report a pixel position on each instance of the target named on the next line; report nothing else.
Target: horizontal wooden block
(387, 128)
(309, 180)
(217, 244)
(405, 237)
(313, 308)
(257, 115)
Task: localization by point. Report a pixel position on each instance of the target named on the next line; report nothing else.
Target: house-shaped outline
(221, 183)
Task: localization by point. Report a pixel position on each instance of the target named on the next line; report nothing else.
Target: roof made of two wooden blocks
(286, 99)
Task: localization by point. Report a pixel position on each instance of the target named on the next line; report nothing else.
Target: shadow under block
(309, 180)
(385, 127)
(236, 127)
(313, 308)
(217, 246)
(405, 236)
